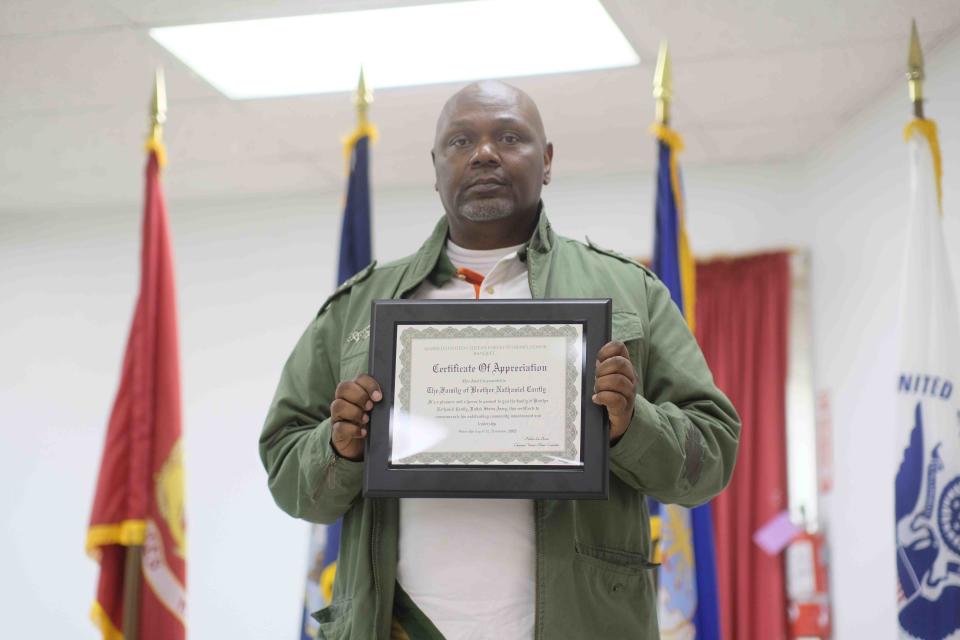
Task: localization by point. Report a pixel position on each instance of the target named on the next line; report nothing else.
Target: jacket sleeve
(682, 443)
(307, 478)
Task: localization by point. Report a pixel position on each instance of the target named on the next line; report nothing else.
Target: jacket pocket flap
(617, 557)
(627, 326)
(335, 611)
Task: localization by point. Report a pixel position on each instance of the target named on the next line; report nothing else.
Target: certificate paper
(491, 394)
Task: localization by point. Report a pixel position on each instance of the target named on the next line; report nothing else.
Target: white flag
(927, 485)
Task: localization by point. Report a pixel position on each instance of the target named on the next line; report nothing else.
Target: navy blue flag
(355, 254)
(688, 601)
(355, 251)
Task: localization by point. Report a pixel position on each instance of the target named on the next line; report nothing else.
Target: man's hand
(348, 412)
(616, 386)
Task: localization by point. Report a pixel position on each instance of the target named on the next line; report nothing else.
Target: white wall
(250, 277)
(855, 197)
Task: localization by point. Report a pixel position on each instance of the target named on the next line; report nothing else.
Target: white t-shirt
(470, 565)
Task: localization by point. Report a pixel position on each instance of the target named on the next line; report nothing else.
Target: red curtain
(742, 320)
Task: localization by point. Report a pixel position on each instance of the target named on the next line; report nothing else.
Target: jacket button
(617, 587)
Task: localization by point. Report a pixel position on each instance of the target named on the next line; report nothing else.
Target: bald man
(499, 569)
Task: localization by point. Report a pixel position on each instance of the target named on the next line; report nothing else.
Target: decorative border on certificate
(569, 455)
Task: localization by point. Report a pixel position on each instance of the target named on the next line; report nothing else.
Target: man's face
(490, 156)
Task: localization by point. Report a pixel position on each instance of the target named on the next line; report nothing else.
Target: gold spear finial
(915, 71)
(158, 106)
(362, 99)
(663, 84)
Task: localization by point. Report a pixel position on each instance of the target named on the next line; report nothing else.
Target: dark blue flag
(688, 575)
(355, 251)
(355, 254)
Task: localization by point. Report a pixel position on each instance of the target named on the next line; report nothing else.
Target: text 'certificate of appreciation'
(491, 394)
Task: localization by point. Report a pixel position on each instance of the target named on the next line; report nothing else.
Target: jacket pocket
(615, 595)
(335, 620)
(625, 562)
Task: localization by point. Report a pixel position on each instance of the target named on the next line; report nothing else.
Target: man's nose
(486, 154)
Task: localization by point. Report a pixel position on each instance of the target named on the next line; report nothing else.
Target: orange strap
(472, 277)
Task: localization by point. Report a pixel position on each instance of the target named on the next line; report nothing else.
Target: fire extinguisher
(807, 587)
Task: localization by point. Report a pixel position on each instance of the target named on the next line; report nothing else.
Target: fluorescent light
(403, 46)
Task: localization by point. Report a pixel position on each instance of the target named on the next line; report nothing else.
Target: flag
(139, 501)
(355, 254)
(927, 484)
(688, 602)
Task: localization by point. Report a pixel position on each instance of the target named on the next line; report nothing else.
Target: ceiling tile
(707, 29)
(207, 133)
(832, 80)
(767, 141)
(89, 70)
(60, 145)
(35, 17)
(753, 81)
(173, 12)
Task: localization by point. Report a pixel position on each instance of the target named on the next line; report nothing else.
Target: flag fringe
(656, 536)
(670, 137)
(349, 142)
(155, 145)
(127, 533)
(104, 623)
(928, 129)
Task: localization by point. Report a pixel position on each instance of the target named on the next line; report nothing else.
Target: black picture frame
(587, 481)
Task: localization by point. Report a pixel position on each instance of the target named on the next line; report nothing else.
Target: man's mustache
(487, 179)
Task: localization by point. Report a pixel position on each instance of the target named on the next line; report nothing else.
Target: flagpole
(132, 573)
(131, 592)
(915, 75)
(663, 85)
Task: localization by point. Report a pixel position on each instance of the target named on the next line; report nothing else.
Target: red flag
(140, 499)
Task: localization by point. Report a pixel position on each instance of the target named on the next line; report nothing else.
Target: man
(505, 569)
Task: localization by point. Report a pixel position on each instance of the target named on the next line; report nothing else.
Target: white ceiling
(753, 80)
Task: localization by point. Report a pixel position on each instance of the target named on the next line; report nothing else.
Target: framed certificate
(487, 399)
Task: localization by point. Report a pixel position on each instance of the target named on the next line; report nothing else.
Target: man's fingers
(616, 364)
(346, 431)
(617, 383)
(615, 403)
(371, 386)
(355, 394)
(341, 409)
(612, 349)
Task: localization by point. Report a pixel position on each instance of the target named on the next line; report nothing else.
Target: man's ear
(433, 159)
(547, 162)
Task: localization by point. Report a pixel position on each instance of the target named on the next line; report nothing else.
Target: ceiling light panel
(425, 44)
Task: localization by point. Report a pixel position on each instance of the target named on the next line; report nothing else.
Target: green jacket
(593, 569)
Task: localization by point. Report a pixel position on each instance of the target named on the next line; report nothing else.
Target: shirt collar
(431, 261)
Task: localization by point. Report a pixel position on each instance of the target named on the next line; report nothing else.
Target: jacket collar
(431, 259)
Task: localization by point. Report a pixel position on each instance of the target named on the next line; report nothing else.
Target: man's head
(491, 157)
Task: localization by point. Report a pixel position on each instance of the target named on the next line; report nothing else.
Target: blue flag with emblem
(355, 254)
(688, 602)
(927, 481)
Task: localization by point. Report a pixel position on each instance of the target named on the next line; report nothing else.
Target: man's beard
(487, 209)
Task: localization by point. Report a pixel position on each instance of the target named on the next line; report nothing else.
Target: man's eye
(510, 138)
(459, 141)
